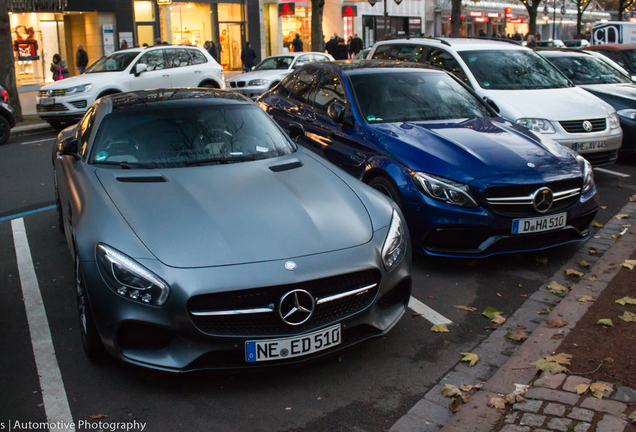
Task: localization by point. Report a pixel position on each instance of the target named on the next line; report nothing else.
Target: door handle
(166, 76)
(197, 71)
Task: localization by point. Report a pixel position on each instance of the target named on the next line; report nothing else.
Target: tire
(57, 125)
(387, 187)
(208, 85)
(91, 341)
(5, 130)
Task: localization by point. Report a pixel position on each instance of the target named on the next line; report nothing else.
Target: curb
(31, 127)
(504, 362)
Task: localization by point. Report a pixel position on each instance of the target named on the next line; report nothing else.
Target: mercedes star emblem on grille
(296, 307)
(543, 199)
(587, 126)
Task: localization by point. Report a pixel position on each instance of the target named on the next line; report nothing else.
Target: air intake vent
(143, 179)
(286, 166)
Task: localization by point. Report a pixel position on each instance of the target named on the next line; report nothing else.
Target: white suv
(65, 102)
(523, 87)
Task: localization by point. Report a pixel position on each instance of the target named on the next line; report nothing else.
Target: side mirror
(68, 147)
(139, 68)
(336, 111)
(296, 131)
(492, 104)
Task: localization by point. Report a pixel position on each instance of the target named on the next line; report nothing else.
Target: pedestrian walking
(356, 45)
(59, 68)
(349, 47)
(213, 52)
(247, 57)
(332, 47)
(532, 43)
(297, 43)
(342, 53)
(81, 59)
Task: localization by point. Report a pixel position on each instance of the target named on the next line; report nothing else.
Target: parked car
(521, 86)
(554, 43)
(470, 183)
(7, 116)
(204, 237)
(576, 43)
(600, 79)
(268, 73)
(610, 62)
(64, 102)
(623, 54)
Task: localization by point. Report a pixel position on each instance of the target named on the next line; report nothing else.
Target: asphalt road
(367, 388)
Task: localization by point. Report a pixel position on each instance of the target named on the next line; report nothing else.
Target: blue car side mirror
(336, 111)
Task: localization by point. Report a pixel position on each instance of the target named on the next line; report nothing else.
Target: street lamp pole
(386, 20)
(554, 20)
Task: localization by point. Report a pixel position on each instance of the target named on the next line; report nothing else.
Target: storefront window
(230, 12)
(185, 23)
(299, 23)
(144, 11)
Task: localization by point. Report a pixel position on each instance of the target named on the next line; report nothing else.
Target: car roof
(614, 47)
(355, 67)
(460, 44)
(564, 52)
(295, 54)
(149, 99)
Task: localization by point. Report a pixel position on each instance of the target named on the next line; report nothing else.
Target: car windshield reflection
(115, 62)
(588, 70)
(275, 63)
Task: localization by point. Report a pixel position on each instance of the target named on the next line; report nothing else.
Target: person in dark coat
(81, 59)
(213, 52)
(356, 45)
(297, 43)
(342, 53)
(247, 57)
(332, 47)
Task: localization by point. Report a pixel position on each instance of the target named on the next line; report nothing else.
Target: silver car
(204, 238)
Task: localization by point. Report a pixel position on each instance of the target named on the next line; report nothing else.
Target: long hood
(467, 150)
(615, 91)
(90, 78)
(553, 104)
(265, 74)
(239, 213)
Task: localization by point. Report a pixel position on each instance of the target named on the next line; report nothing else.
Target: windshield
(275, 63)
(630, 56)
(115, 62)
(588, 70)
(414, 96)
(192, 135)
(512, 70)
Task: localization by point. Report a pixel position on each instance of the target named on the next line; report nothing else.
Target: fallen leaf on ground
(520, 286)
(447, 342)
(497, 403)
(466, 308)
(598, 389)
(556, 288)
(615, 237)
(570, 273)
(98, 416)
(543, 261)
(593, 251)
(549, 366)
(626, 300)
(523, 295)
(450, 390)
(542, 313)
(583, 263)
(628, 317)
(455, 403)
(479, 385)
(626, 226)
(632, 199)
(597, 237)
(603, 207)
(561, 358)
(581, 388)
(630, 264)
(430, 297)
(490, 312)
(558, 336)
(498, 319)
(556, 323)
(622, 216)
(517, 335)
(466, 398)
(520, 327)
(498, 295)
(466, 387)
(440, 328)
(470, 357)
(596, 224)
(586, 298)
(605, 322)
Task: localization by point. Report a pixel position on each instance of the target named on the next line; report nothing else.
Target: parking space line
(53, 392)
(428, 313)
(26, 213)
(33, 142)
(606, 171)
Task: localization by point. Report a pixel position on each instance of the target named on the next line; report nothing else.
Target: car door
(180, 67)
(292, 101)
(156, 75)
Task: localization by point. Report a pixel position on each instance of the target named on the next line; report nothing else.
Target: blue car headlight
(445, 190)
(130, 279)
(395, 243)
(588, 173)
(78, 89)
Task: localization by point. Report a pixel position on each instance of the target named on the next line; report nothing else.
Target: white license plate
(296, 346)
(532, 225)
(587, 146)
(46, 101)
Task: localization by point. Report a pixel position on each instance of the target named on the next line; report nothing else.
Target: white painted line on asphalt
(53, 392)
(428, 313)
(38, 141)
(606, 171)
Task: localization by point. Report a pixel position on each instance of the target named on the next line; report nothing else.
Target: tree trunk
(532, 13)
(317, 37)
(456, 18)
(579, 24)
(7, 65)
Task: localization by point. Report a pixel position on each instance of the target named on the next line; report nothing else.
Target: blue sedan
(470, 183)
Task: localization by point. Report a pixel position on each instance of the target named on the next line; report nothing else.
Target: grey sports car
(204, 238)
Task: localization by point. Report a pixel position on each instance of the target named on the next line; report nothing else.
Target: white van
(622, 32)
(523, 87)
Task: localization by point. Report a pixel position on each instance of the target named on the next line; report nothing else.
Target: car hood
(623, 90)
(465, 150)
(553, 104)
(266, 74)
(239, 213)
(91, 78)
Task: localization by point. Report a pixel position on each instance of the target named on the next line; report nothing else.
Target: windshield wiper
(221, 160)
(128, 165)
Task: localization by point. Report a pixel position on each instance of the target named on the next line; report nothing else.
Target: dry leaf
(558, 336)
(605, 322)
(632, 198)
(517, 335)
(498, 319)
(447, 342)
(598, 389)
(583, 263)
(450, 390)
(440, 328)
(596, 224)
(466, 308)
(556, 288)
(523, 295)
(542, 313)
(626, 300)
(543, 261)
(520, 286)
(490, 312)
(561, 358)
(593, 251)
(630, 264)
(479, 385)
(628, 317)
(622, 216)
(582, 388)
(570, 273)
(98, 416)
(497, 403)
(597, 237)
(466, 387)
(455, 403)
(586, 298)
(465, 398)
(520, 327)
(498, 295)
(556, 323)
(430, 297)
(549, 366)
(469, 357)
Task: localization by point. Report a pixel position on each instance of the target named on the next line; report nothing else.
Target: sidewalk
(546, 402)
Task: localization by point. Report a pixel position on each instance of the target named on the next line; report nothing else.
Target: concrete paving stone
(560, 424)
(573, 381)
(611, 424)
(607, 406)
(532, 406)
(549, 380)
(535, 306)
(552, 395)
(454, 378)
(480, 372)
(515, 428)
(511, 418)
(546, 298)
(554, 409)
(431, 412)
(526, 317)
(475, 415)
(533, 420)
(409, 423)
(582, 427)
(581, 414)
(625, 394)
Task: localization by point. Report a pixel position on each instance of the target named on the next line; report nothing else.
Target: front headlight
(130, 279)
(445, 190)
(394, 244)
(78, 89)
(613, 121)
(627, 113)
(257, 82)
(588, 173)
(537, 125)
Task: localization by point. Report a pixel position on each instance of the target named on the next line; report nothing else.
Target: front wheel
(91, 341)
(388, 188)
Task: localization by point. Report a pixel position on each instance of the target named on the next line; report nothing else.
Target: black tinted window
(443, 59)
(302, 86)
(329, 90)
(178, 57)
(412, 53)
(386, 52)
(153, 60)
(588, 70)
(197, 57)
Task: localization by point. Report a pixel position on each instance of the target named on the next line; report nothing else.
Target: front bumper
(606, 155)
(252, 92)
(170, 338)
(64, 108)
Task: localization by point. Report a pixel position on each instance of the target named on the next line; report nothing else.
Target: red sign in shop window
(349, 11)
(286, 9)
